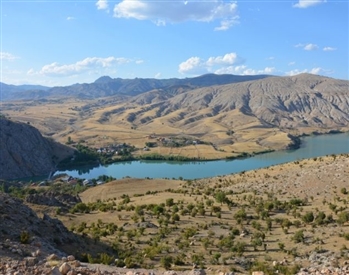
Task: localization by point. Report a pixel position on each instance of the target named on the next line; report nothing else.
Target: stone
(70, 258)
(64, 268)
(275, 263)
(257, 273)
(31, 261)
(76, 263)
(52, 257)
(197, 272)
(55, 271)
(72, 272)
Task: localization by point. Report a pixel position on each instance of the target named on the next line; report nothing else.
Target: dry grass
(128, 186)
(82, 120)
(318, 182)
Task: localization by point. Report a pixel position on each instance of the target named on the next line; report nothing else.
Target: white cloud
(7, 56)
(32, 72)
(102, 4)
(193, 65)
(307, 47)
(311, 47)
(86, 65)
(327, 49)
(231, 70)
(162, 12)
(291, 63)
(295, 72)
(230, 63)
(308, 3)
(226, 24)
(158, 75)
(229, 58)
(243, 70)
(196, 65)
(70, 18)
(317, 70)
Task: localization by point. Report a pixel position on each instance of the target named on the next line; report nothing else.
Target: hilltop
(107, 86)
(208, 117)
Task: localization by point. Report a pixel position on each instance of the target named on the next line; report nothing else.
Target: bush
(343, 217)
(308, 217)
(80, 208)
(166, 261)
(298, 237)
(104, 258)
(24, 237)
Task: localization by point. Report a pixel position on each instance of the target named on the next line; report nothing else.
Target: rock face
(18, 219)
(53, 199)
(25, 152)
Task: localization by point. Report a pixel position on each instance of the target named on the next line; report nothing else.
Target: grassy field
(254, 219)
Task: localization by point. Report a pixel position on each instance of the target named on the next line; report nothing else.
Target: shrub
(104, 258)
(298, 236)
(343, 217)
(308, 217)
(166, 261)
(24, 237)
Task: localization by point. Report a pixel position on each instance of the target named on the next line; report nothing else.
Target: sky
(59, 43)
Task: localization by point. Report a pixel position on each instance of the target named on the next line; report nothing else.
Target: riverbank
(311, 146)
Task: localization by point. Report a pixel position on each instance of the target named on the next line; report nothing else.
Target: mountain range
(107, 86)
(229, 114)
(289, 102)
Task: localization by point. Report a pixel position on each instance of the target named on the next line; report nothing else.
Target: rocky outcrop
(20, 223)
(25, 152)
(51, 198)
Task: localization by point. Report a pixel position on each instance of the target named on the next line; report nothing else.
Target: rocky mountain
(18, 219)
(107, 86)
(25, 152)
(32, 243)
(230, 114)
(284, 102)
(10, 92)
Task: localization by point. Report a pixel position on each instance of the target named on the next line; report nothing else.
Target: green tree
(220, 197)
(169, 202)
(308, 217)
(166, 261)
(298, 236)
(343, 217)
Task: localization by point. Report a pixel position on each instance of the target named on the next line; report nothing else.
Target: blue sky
(56, 43)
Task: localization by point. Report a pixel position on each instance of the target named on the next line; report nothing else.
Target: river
(312, 146)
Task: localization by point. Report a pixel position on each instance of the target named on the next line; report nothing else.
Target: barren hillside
(25, 152)
(230, 119)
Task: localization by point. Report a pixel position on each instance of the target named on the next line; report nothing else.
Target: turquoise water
(314, 146)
